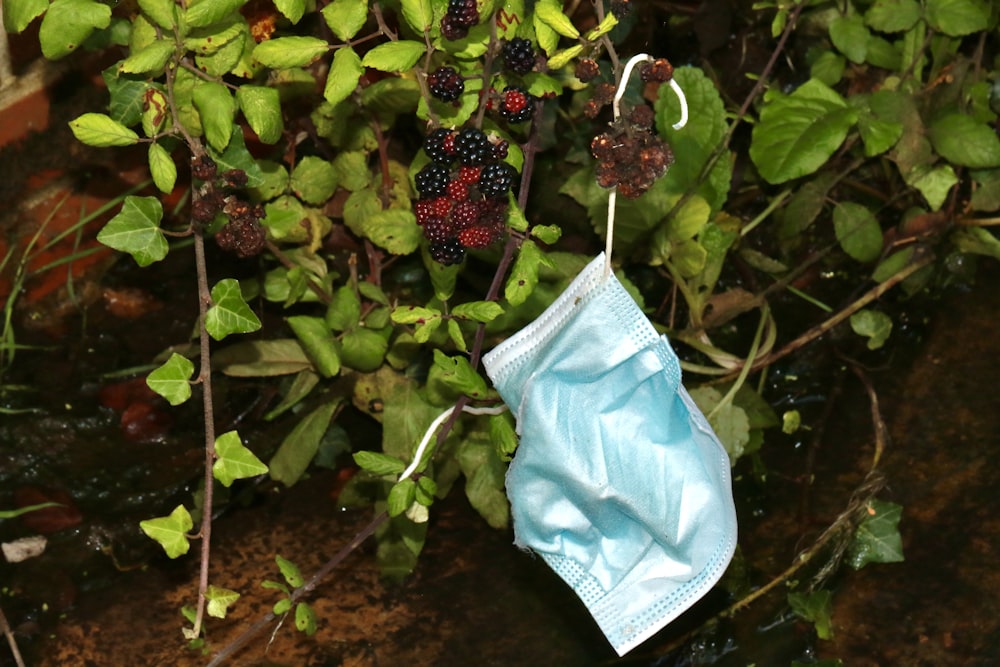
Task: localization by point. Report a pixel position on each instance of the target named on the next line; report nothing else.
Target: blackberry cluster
(463, 192)
(630, 158)
(516, 105)
(446, 84)
(518, 55)
(461, 15)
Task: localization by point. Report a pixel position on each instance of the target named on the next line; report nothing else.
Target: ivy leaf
(68, 23)
(299, 447)
(934, 183)
(956, 18)
(394, 229)
(97, 129)
(877, 538)
(314, 180)
(206, 12)
(136, 230)
(305, 619)
(858, 231)
(163, 12)
(345, 72)
(815, 607)
(458, 373)
(798, 133)
(234, 460)
(150, 58)
(218, 110)
(18, 14)
(397, 56)
(172, 380)
(219, 600)
(346, 17)
(419, 14)
(962, 140)
(378, 463)
(286, 52)
(170, 531)
(479, 311)
(261, 107)
(229, 313)
(551, 14)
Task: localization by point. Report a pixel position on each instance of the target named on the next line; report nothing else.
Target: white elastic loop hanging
(440, 419)
(616, 109)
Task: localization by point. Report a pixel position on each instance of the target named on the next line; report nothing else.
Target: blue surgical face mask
(618, 482)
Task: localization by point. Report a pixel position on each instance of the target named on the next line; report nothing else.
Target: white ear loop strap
(616, 109)
(440, 419)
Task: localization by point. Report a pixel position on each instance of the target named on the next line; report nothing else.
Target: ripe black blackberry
(432, 180)
(496, 179)
(473, 147)
(518, 55)
(446, 84)
(461, 15)
(516, 105)
(448, 252)
(439, 146)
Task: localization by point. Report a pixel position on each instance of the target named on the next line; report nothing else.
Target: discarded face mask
(618, 481)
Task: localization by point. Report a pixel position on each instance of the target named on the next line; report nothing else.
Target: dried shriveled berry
(203, 168)
(658, 71)
(235, 178)
(587, 70)
(642, 116)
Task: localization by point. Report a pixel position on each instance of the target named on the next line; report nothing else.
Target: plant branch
(4, 625)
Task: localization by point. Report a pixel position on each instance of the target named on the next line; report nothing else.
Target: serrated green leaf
(346, 17)
(314, 180)
(878, 126)
(858, 231)
(414, 314)
(524, 275)
(285, 52)
(395, 230)
(300, 446)
(163, 12)
(66, 25)
(551, 14)
(344, 310)
(401, 496)
(815, 607)
(290, 571)
(957, 17)
(136, 230)
(419, 14)
(363, 349)
(305, 619)
(850, 36)
(456, 336)
(484, 473)
(291, 9)
(873, 325)
(345, 71)
(397, 56)
(201, 13)
(893, 15)
(317, 341)
(218, 110)
(351, 169)
(172, 380)
(547, 234)
(479, 311)
(378, 463)
(458, 373)
(877, 539)
(170, 531)
(97, 129)
(548, 39)
(730, 422)
(963, 141)
(207, 41)
(151, 58)
(229, 313)
(18, 14)
(502, 435)
(234, 460)
(798, 133)
(560, 59)
(236, 156)
(262, 108)
(219, 600)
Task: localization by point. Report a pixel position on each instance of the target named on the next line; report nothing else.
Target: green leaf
(18, 14)
(201, 13)
(858, 231)
(934, 183)
(68, 23)
(97, 129)
(893, 15)
(402, 494)
(136, 230)
(282, 606)
(163, 12)
(290, 571)
(480, 311)
(305, 619)
(963, 141)
(551, 14)
(892, 265)
(977, 241)
(285, 52)
(262, 358)
(317, 341)
(880, 128)
(234, 460)
(170, 531)
(151, 58)
(484, 472)
(346, 17)
(873, 325)
(378, 463)
(502, 435)
(128, 96)
(548, 39)
(219, 600)
(456, 335)
(850, 36)
(560, 59)
(351, 169)
(229, 313)
(397, 56)
(363, 349)
(300, 446)
(729, 422)
(291, 9)
(218, 110)
(395, 230)
(305, 381)
(314, 180)
(958, 17)
(877, 538)
(236, 156)
(547, 234)
(815, 607)
(524, 275)
(345, 71)
(162, 168)
(798, 133)
(414, 314)
(344, 310)
(172, 380)
(458, 373)
(419, 14)
(262, 108)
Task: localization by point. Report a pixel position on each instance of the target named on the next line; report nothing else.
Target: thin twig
(4, 625)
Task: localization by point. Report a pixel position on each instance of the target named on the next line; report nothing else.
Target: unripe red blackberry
(438, 230)
(518, 55)
(446, 84)
(465, 214)
(477, 237)
(516, 105)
